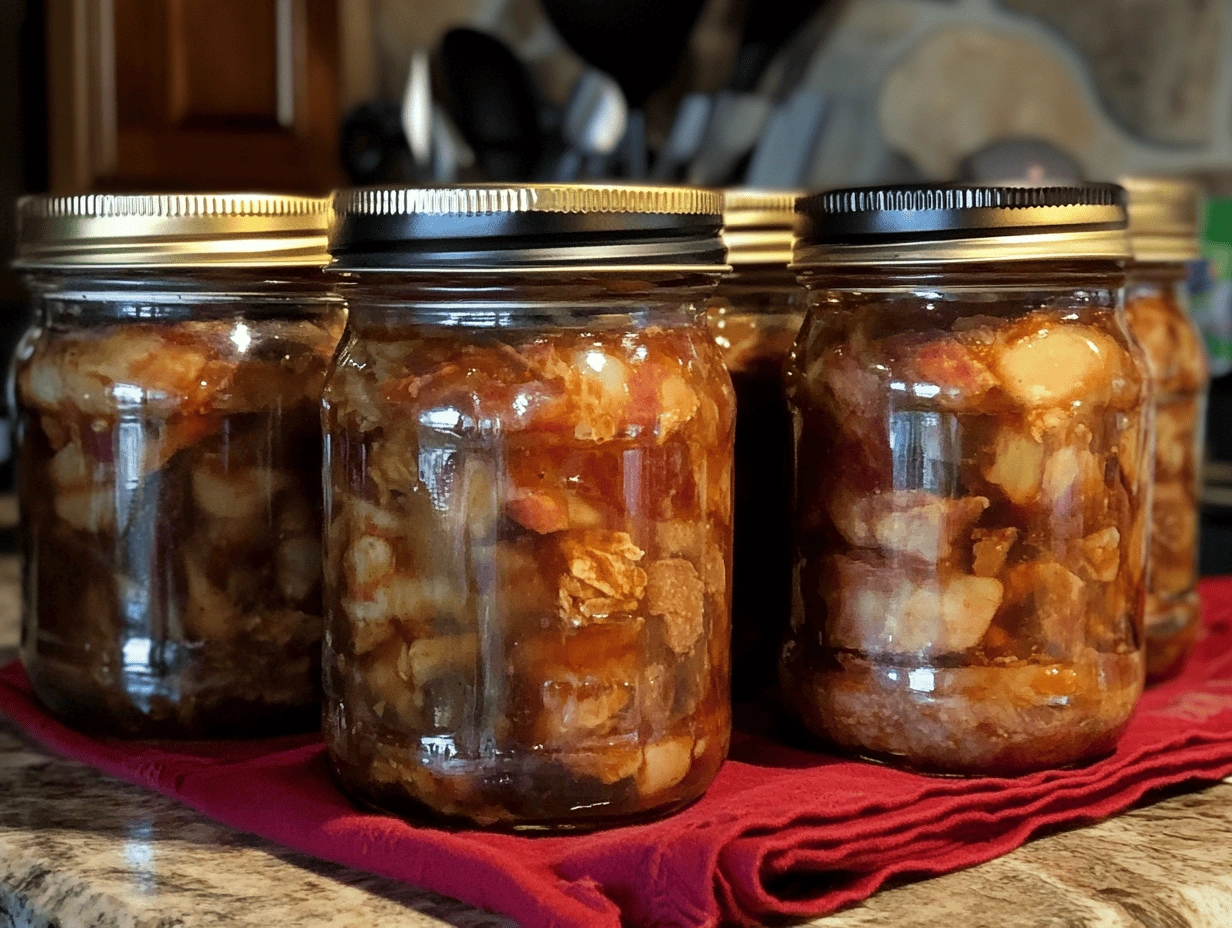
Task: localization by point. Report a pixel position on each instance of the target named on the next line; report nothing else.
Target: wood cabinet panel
(193, 94)
(226, 59)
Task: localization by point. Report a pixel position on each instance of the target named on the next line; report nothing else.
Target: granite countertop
(79, 848)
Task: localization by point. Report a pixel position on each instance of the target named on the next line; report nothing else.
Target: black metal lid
(531, 227)
(962, 223)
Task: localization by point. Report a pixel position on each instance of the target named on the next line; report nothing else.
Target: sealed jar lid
(527, 227)
(759, 226)
(961, 223)
(1163, 218)
(174, 230)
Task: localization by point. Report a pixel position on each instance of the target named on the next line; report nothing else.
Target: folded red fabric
(782, 832)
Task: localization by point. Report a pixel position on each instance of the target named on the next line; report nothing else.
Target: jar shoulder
(184, 366)
(1045, 358)
(642, 384)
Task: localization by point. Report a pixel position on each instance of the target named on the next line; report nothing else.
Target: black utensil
(594, 122)
(767, 25)
(493, 103)
(741, 115)
(638, 42)
(372, 146)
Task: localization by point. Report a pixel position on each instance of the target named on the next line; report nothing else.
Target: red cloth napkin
(782, 832)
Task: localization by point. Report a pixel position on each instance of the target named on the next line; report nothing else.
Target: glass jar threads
(971, 477)
(529, 452)
(1163, 224)
(754, 316)
(169, 463)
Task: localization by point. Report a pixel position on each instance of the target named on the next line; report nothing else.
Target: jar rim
(962, 223)
(1163, 219)
(760, 226)
(172, 230)
(1086, 245)
(526, 228)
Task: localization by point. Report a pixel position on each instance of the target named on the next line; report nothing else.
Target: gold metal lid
(175, 230)
(759, 226)
(1163, 218)
(961, 224)
(527, 227)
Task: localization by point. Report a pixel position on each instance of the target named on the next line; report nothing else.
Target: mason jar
(169, 460)
(754, 316)
(528, 492)
(1163, 232)
(972, 474)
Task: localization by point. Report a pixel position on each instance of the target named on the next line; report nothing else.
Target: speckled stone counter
(81, 849)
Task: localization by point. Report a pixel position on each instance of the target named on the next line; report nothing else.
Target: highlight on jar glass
(169, 468)
(754, 317)
(529, 461)
(972, 472)
(1163, 228)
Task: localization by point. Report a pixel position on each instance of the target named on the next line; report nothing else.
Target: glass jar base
(972, 721)
(82, 704)
(397, 799)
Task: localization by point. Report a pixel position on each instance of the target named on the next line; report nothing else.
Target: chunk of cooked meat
(603, 577)
(883, 610)
(990, 549)
(1057, 364)
(1017, 465)
(911, 522)
(675, 592)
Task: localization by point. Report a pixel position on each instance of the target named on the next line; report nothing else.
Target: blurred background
(306, 95)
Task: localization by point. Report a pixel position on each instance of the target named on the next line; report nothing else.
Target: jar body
(169, 474)
(754, 317)
(1157, 306)
(528, 554)
(972, 471)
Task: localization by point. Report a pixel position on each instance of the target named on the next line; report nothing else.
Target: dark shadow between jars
(764, 735)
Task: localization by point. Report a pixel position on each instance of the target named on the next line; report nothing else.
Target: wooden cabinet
(193, 94)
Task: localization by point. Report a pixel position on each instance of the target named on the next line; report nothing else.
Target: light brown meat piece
(911, 522)
(1102, 554)
(884, 610)
(992, 546)
(1174, 533)
(675, 592)
(946, 372)
(540, 512)
(680, 538)
(603, 578)
(1017, 466)
(588, 679)
(1050, 606)
(665, 764)
(1054, 364)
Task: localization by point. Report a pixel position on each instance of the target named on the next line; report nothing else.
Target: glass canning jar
(1163, 221)
(972, 471)
(169, 461)
(529, 453)
(754, 317)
